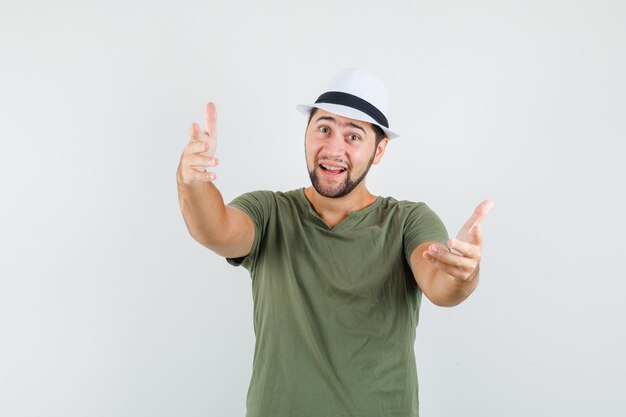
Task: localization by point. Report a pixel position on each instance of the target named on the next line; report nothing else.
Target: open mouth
(332, 170)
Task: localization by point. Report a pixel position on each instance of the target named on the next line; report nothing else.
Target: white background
(109, 308)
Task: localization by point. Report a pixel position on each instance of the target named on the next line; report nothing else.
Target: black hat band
(345, 99)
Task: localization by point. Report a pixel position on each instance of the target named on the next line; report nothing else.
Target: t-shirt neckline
(352, 216)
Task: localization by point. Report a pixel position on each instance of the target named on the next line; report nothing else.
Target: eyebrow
(332, 119)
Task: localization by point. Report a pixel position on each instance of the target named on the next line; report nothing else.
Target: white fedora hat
(358, 95)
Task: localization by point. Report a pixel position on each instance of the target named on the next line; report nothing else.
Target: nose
(335, 146)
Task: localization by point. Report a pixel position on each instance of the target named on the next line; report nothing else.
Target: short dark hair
(380, 134)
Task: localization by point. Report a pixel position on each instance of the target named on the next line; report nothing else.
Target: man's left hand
(463, 262)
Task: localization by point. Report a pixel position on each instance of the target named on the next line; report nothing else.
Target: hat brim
(345, 111)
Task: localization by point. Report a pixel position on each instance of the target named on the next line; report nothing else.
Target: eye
(324, 129)
(354, 138)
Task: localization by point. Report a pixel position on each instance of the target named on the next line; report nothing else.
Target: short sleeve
(258, 205)
(422, 225)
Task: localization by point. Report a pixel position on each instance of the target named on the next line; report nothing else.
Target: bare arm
(225, 230)
(449, 277)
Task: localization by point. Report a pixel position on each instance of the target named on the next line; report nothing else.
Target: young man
(337, 272)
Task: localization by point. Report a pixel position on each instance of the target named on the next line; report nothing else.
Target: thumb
(196, 134)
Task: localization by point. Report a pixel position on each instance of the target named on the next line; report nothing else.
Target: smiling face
(339, 153)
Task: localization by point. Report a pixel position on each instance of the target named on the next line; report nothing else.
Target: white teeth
(332, 168)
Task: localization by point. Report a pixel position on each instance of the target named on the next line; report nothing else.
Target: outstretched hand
(199, 154)
(463, 261)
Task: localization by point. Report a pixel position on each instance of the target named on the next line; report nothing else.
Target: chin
(337, 190)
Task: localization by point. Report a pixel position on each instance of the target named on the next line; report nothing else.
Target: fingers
(189, 174)
(193, 151)
(196, 135)
(458, 266)
(209, 134)
(462, 261)
(203, 162)
(480, 212)
(447, 257)
(471, 248)
(198, 155)
(477, 235)
(195, 147)
(467, 249)
(210, 119)
(196, 174)
(478, 215)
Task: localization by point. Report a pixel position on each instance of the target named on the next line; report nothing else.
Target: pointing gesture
(199, 153)
(463, 262)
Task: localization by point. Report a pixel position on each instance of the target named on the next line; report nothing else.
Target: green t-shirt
(335, 310)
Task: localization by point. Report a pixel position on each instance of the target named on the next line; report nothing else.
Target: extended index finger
(210, 119)
(479, 214)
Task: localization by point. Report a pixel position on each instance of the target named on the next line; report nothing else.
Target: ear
(380, 150)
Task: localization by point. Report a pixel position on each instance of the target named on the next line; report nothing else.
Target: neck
(334, 210)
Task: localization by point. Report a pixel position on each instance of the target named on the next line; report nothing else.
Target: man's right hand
(227, 231)
(199, 153)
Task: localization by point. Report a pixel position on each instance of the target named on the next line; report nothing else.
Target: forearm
(204, 211)
(447, 291)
